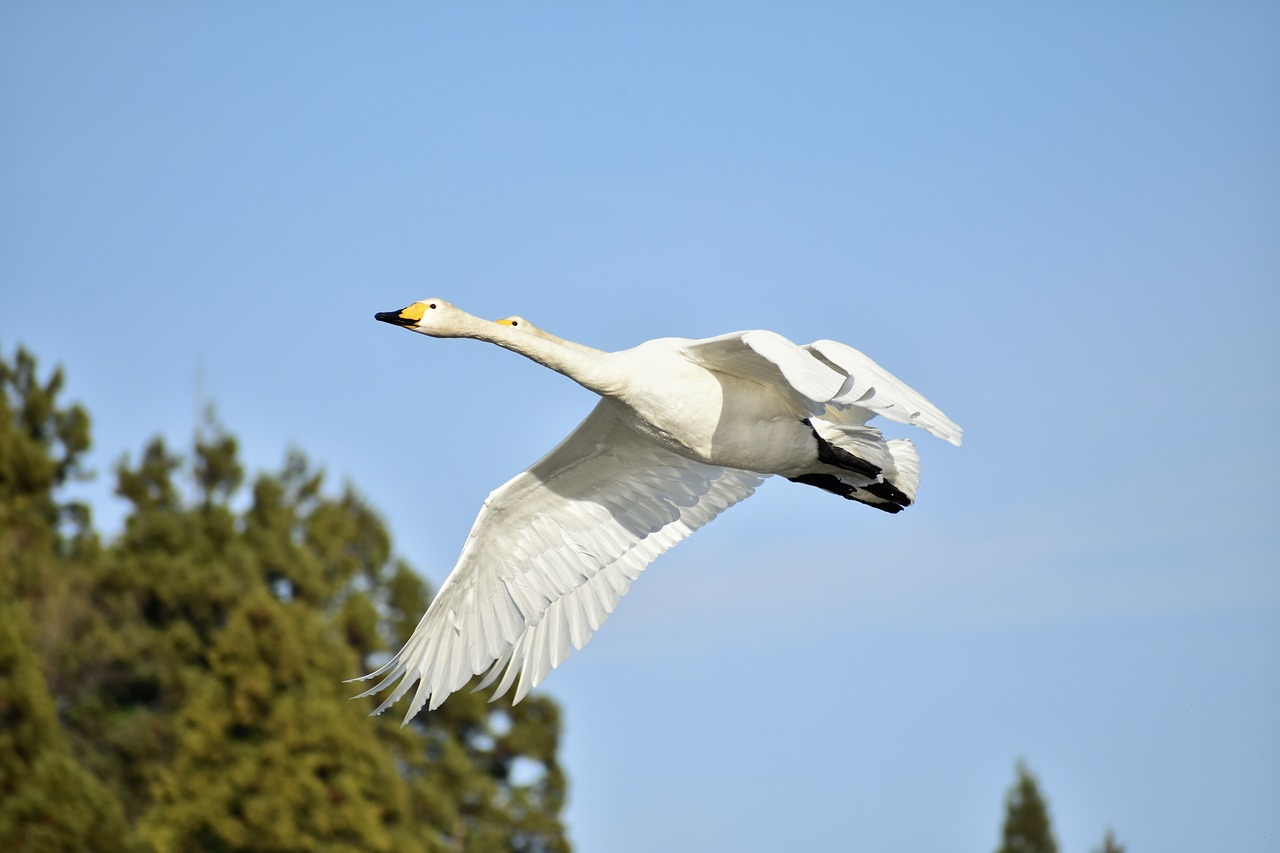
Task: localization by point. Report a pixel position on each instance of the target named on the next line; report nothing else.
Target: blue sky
(1061, 224)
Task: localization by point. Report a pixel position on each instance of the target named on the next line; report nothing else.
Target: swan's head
(515, 321)
(433, 317)
(523, 326)
(520, 324)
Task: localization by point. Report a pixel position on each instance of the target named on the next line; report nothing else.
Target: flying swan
(684, 429)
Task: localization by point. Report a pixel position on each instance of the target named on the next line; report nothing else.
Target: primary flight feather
(684, 429)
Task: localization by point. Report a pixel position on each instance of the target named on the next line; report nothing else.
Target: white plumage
(684, 429)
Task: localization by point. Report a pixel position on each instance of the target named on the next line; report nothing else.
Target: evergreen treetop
(180, 687)
(1027, 827)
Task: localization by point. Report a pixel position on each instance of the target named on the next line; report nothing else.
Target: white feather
(572, 538)
(685, 430)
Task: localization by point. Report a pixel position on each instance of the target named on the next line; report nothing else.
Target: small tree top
(1027, 828)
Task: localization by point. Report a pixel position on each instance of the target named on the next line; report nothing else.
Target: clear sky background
(1059, 223)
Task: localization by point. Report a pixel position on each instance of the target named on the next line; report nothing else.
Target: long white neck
(591, 368)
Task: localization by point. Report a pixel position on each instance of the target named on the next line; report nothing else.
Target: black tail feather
(877, 495)
(829, 454)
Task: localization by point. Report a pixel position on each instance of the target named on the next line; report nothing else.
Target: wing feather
(824, 378)
(549, 557)
(872, 388)
(773, 361)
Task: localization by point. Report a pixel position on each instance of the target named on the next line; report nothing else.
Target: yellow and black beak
(404, 317)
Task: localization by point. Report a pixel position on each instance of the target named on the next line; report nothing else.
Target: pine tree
(269, 755)
(265, 615)
(1027, 827)
(198, 662)
(1109, 844)
(48, 800)
(41, 447)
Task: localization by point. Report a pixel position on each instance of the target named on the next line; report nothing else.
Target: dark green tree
(41, 449)
(48, 800)
(269, 755)
(1109, 844)
(197, 662)
(1027, 828)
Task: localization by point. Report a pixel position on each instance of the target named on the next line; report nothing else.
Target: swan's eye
(432, 305)
(515, 323)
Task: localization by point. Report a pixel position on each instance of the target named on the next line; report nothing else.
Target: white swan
(684, 429)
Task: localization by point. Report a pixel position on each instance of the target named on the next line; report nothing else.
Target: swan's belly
(721, 420)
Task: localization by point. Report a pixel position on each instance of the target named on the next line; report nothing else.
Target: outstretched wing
(550, 555)
(871, 388)
(824, 378)
(773, 361)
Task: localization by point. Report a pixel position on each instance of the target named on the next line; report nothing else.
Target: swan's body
(684, 429)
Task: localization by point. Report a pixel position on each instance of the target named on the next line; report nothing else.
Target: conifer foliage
(1027, 828)
(180, 687)
(1109, 844)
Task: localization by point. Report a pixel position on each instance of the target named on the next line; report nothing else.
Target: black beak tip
(392, 317)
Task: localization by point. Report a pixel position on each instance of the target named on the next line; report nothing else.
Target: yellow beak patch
(414, 312)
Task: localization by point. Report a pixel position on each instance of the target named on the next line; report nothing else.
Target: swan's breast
(709, 416)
